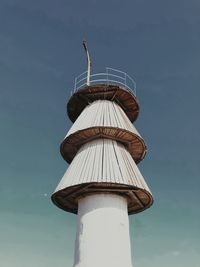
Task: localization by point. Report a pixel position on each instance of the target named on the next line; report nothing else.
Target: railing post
(107, 75)
(75, 85)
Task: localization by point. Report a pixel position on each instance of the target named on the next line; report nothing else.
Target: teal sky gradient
(157, 42)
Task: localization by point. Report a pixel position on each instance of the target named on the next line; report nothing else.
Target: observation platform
(113, 85)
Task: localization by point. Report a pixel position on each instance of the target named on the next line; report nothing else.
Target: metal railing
(111, 76)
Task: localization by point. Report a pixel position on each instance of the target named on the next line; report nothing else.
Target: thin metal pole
(88, 62)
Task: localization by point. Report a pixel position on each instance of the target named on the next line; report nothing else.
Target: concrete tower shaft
(99, 216)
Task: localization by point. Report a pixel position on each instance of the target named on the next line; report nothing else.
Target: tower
(103, 184)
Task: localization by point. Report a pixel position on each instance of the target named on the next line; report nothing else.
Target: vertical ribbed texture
(103, 160)
(102, 113)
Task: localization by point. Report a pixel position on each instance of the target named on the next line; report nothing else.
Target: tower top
(112, 84)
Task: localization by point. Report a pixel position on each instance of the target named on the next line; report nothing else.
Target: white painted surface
(103, 232)
(102, 113)
(103, 160)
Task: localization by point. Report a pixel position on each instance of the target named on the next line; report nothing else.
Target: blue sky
(156, 42)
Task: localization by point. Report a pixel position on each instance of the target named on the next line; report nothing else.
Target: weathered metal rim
(133, 143)
(83, 97)
(67, 198)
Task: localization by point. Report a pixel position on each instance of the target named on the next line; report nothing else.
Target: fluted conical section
(106, 119)
(102, 113)
(103, 165)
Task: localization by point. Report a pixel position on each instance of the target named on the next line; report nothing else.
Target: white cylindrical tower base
(103, 232)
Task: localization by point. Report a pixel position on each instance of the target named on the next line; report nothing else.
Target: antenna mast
(88, 61)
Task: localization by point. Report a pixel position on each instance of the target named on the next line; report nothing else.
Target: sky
(157, 43)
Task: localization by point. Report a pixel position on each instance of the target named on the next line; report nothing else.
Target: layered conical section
(105, 119)
(103, 165)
